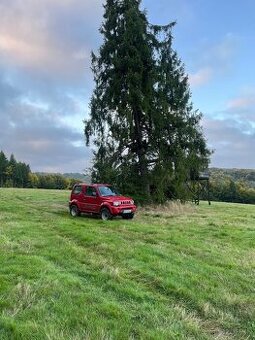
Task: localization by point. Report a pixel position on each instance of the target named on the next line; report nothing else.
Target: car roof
(92, 185)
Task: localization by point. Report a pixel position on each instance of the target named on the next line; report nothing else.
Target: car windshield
(108, 191)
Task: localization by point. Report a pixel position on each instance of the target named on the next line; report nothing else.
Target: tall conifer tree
(177, 137)
(142, 122)
(3, 167)
(120, 105)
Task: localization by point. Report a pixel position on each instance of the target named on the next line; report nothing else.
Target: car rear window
(77, 190)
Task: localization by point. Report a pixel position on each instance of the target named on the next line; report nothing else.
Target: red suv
(101, 199)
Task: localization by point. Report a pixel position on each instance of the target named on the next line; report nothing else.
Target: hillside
(69, 175)
(237, 175)
(180, 272)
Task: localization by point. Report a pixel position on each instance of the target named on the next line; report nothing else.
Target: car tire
(74, 211)
(105, 214)
(128, 216)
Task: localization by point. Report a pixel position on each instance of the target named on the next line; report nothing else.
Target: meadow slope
(176, 273)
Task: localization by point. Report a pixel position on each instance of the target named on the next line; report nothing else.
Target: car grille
(125, 202)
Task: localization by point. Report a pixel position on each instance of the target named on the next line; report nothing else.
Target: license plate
(127, 211)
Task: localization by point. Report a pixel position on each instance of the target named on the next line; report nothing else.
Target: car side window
(77, 190)
(90, 191)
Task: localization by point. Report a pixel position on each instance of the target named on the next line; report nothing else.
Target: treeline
(13, 173)
(18, 175)
(226, 185)
(51, 181)
(232, 185)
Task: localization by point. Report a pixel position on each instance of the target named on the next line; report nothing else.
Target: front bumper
(121, 210)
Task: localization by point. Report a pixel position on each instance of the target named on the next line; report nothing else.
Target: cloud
(45, 46)
(49, 35)
(38, 136)
(231, 132)
(241, 102)
(232, 142)
(244, 101)
(45, 80)
(214, 61)
(201, 77)
(242, 107)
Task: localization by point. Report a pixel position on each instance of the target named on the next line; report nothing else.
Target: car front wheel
(105, 214)
(74, 211)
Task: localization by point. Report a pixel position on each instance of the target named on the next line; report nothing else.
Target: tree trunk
(141, 153)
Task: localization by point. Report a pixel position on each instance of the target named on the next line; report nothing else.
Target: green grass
(182, 273)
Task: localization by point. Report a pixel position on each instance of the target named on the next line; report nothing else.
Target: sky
(46, 82)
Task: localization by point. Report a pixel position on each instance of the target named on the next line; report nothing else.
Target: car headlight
(132, 202)
(116, 203)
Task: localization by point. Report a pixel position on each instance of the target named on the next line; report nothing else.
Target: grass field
(176, 273)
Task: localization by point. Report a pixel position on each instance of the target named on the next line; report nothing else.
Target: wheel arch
(106, 205)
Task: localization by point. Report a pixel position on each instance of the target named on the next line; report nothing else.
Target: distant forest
(232, 185)
(226, 185)
(18, 175)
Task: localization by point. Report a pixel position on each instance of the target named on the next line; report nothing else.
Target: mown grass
(175, 273)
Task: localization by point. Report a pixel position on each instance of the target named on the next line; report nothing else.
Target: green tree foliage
(237, 175)
(119, 106)
(146, 133)
(176, 135)
(33, 180)
(233, 185)
(12, 171)
(53, 181)
(22, 175)
(3, 168)
(18, 175)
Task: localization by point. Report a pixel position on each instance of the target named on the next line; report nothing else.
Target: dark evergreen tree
(3, 167)
(177, 138)
(22, 175)
(120, 106)
(11, 172)
(147, 135)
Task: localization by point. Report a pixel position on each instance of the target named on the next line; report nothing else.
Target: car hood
(117, 198)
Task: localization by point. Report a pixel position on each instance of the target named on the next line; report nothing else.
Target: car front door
(90, 199)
